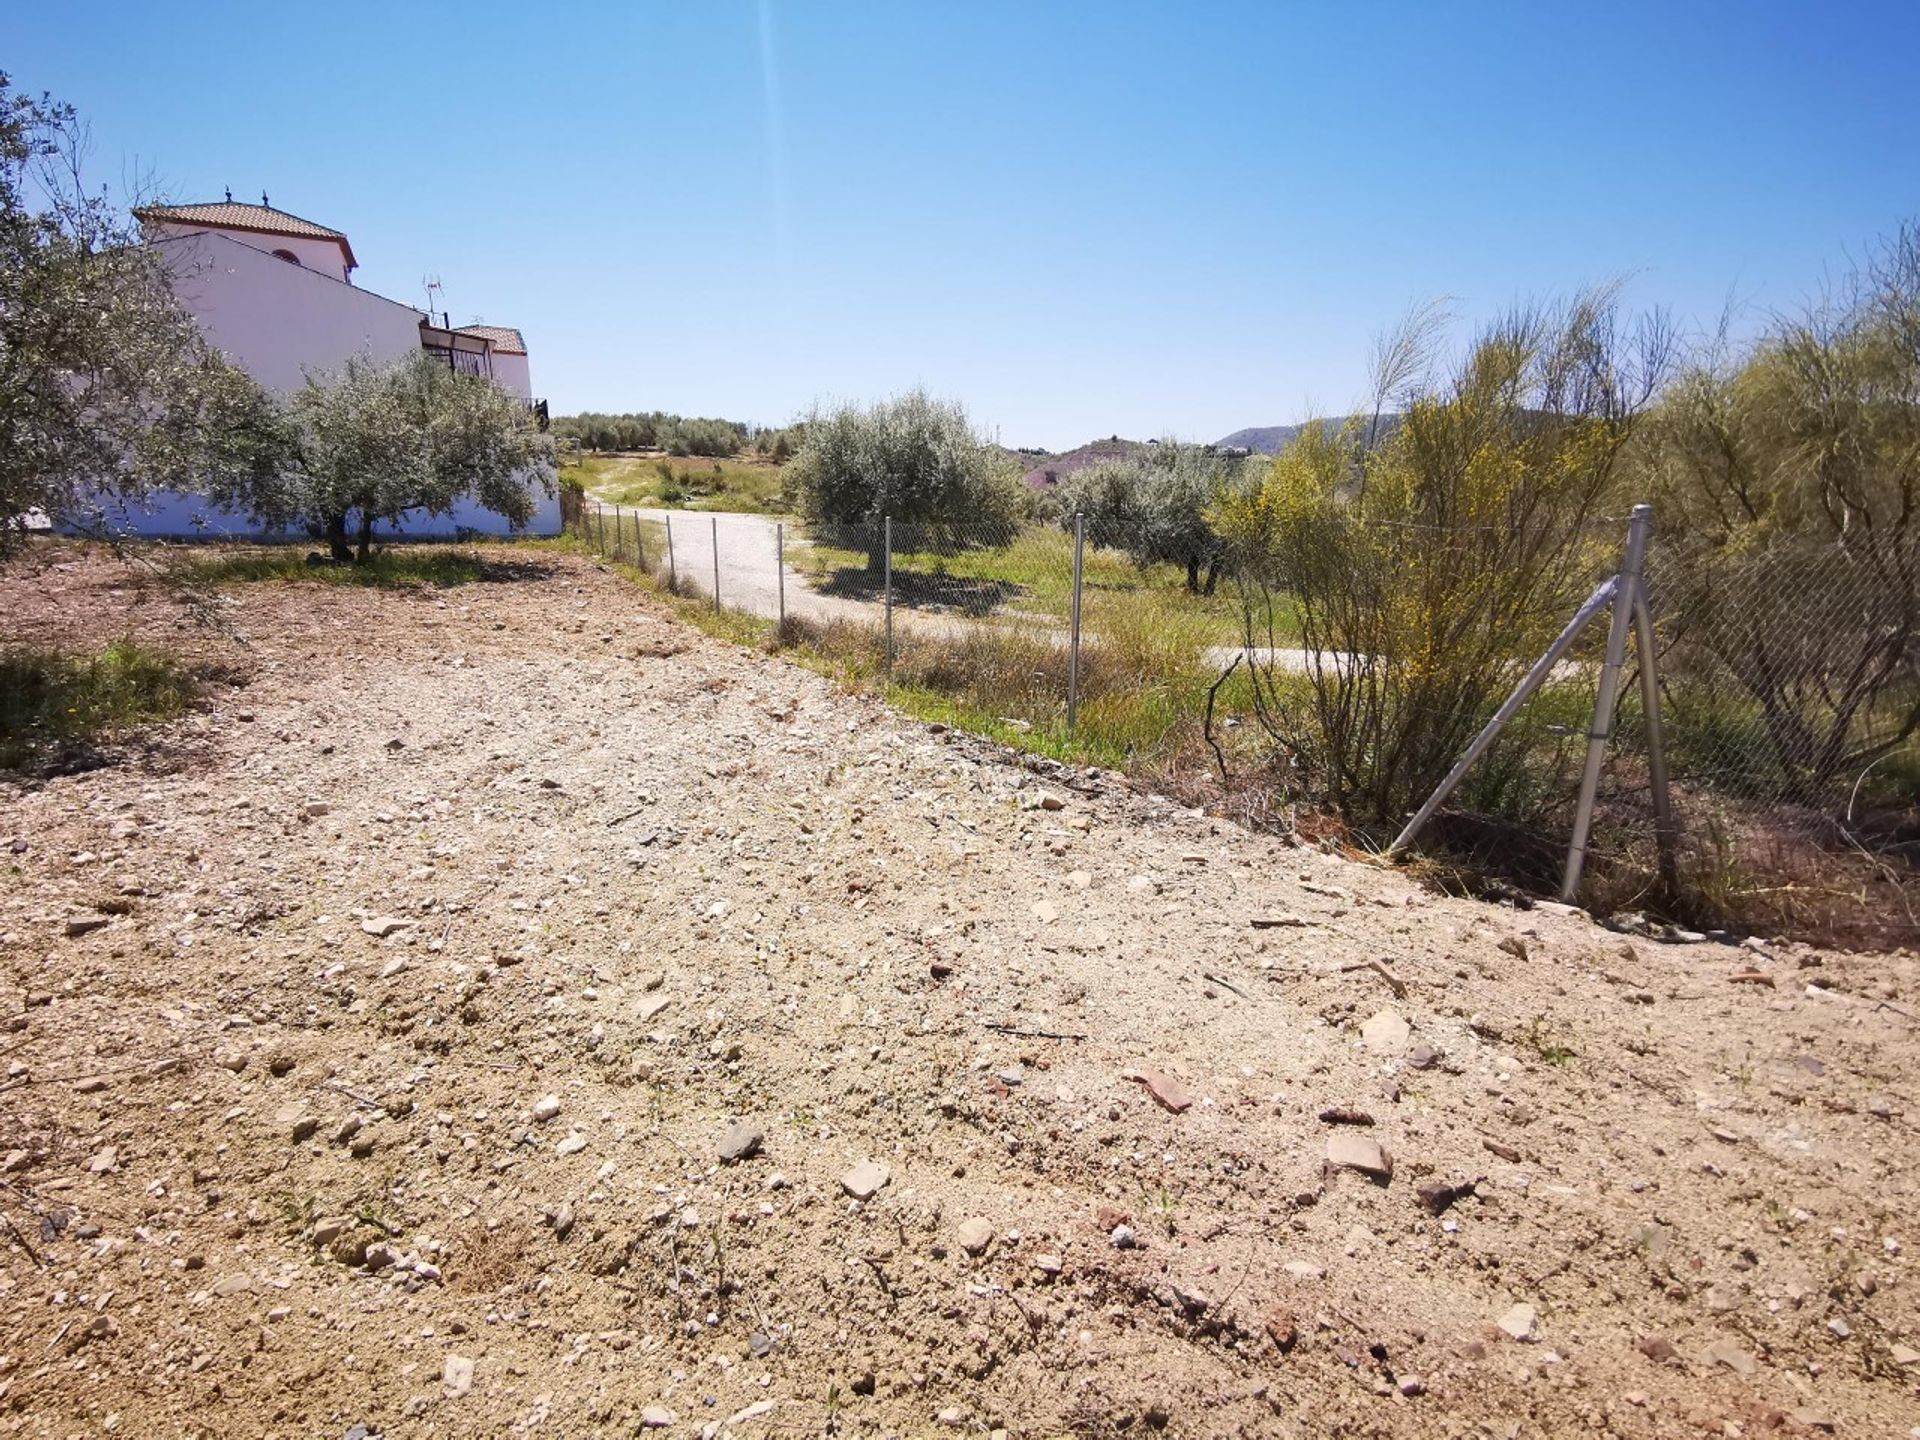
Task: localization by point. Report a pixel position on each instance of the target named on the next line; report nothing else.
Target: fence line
(1788, 678)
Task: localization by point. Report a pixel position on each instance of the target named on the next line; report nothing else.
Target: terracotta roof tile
(232, 215)
(506, 340)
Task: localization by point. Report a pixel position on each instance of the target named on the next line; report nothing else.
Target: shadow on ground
(969, 596)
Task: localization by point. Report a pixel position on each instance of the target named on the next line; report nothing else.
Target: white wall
(323, 257)
(510, 373)
(280, 322)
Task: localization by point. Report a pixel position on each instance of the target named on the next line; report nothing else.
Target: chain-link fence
(1789, 685)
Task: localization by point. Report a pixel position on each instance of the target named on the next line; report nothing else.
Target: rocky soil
(505, 1011)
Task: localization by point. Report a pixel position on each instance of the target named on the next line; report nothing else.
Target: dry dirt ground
(425, 972)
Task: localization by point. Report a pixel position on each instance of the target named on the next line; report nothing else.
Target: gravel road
(505, 1011)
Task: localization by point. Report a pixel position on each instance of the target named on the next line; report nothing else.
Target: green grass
(56, 705)
(694, 483)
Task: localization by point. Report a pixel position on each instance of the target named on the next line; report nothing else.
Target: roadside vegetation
(57, 707)
(749, 485)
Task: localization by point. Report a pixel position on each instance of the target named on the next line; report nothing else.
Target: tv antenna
(436, 295)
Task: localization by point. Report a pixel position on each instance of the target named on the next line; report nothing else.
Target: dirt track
(267, 1173)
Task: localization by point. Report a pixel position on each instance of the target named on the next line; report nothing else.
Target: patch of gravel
(503, 998)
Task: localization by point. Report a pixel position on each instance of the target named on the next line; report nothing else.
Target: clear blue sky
(1080, 219)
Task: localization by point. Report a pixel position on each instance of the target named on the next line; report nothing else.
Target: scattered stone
(104, 1162)
(1410, 1386)
(78, 925)
(382, 926)
(1123, 1238)
(1519, 1322)
(1440, 1195)
(1345, 1115)
(1049, 1264)
(1504, 1152)
(975, 1235)
(865, 1180)
(1423, 1057)
(1170, 1093)
(1282, 1330)
(1839, 1329)
(572, 1145)
(546, 1108)
(1045, 911)
(1304, 1270)
(1725, 1351)
(330, 1229)
(1385, 1031)
(563, 1221)
(656, 1417)
(232, 1285)
(1904, 1355)
(1751, 977)
(1359, 1152)
(1514, 946)
(1657, 1348)
(457, 1376)
(740, 1142)
(91, 1085)
(1194, 1301)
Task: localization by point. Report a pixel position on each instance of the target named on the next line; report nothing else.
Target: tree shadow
(967, 595)
(423, 566)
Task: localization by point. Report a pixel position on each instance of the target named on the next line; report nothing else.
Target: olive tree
(372, 442)
(1156, 506)
(913, 458)
(107, 388)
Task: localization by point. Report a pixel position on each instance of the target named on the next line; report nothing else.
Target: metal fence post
(887, 537)
(780, 569)
(673, 575)
(1073, 644)
(639, 545)
(619, 530)
(716, 562)
(1626, 591)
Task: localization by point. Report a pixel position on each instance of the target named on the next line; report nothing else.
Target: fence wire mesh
(1348, 681)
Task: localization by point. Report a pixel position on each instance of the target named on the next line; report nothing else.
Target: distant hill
(1272, 439)
(1045, 473)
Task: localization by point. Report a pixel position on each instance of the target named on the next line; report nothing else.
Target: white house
(275, 293)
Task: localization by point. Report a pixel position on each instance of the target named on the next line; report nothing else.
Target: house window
(286, 255)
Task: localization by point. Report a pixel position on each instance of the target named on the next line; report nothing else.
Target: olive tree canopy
(913, 458)
(107, 388)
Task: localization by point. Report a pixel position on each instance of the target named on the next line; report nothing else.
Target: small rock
(1282, 1330)
(1385, 1031)
(656, 1417)
(975, 1235)
(1439, 1195)
(232, 1285)
(104, 1162)
(1725, 1351)
(1048, 1264)
(1123, 1238)
(563, 1221)
(1359, 1152)
(1304, 1270)
(1519, 1322)
(740, 1142)
(1423, 1057)
(78, 925)
(382, 926)
(1658, 1349)
(457, 1376)
(865, 1180)
(1169, 1092)
(1839, 1329)
(572, 1145)
(1345, 1115)
(546, 1108)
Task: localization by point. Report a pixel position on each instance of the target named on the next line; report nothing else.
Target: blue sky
(1079, 219)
